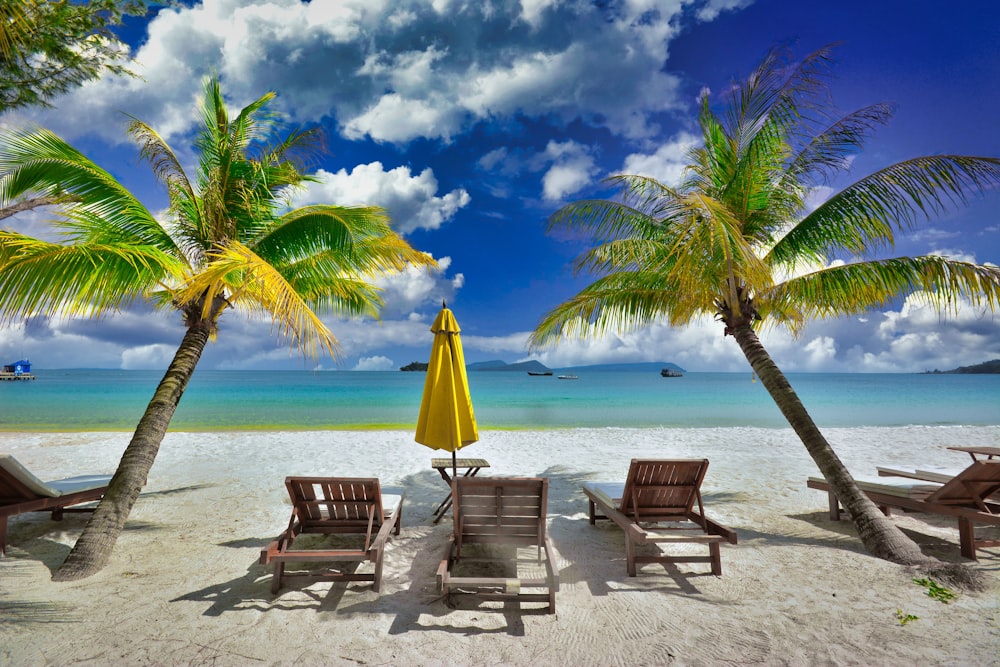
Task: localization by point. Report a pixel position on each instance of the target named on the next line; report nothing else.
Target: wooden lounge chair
(966, 496)
(939, 475)
(329, 506)
(666, 491)
(494, 515)
(21, 491)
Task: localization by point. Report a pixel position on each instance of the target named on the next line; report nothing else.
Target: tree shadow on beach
(846, 536)
(17, 612)
(27, 532)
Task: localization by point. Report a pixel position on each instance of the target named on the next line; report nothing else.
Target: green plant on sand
(935, 590)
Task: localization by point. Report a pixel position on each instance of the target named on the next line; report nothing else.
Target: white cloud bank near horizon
(912, 339)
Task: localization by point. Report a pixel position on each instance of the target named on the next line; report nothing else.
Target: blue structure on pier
(22, 367)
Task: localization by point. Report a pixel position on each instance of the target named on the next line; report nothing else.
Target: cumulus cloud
(146, 357)
(396, 71)
(572, 169)
(711, 9)
(667, 163)
(915, 338)
(376, 363)
(409, 199)
(405, 292)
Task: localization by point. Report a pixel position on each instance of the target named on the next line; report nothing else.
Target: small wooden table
(444, 466)
(988, 452)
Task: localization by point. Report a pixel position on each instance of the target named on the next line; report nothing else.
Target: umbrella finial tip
(444, 304)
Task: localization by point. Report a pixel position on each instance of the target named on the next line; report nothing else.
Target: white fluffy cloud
(145, 357)
(667, 163)
(572, 169)
(376, 363)
(406, 292)
(410, 200)
(396, 71)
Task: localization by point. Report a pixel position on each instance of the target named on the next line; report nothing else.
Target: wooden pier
(15, 376)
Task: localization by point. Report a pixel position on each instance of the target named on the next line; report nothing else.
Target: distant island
(987, 367)
(414, 366)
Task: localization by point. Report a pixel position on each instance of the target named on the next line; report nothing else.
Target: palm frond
(348, 240)
(41, 278)
(38, 161)
(861, 218)
(858, 287)
(237, 274)
(826, 153)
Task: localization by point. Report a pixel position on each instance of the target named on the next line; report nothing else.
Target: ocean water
(111, 400)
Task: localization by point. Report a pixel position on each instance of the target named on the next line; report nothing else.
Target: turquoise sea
(96, 400)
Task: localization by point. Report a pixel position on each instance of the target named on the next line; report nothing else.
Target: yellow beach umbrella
(446, 418)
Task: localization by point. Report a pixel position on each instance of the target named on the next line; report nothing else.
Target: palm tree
(735, 240)
(230, 242)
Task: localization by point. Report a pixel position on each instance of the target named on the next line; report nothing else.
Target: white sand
(184, 586)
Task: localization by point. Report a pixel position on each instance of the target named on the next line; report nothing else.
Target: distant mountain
(987, 367)
(486, 365)
(645, 367)
(522, 366)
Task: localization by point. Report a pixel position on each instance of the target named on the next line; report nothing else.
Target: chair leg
(967, 538)
(716, 554)
(377, 583)
(3, 534)
(630, 556)
(834, 505)
(279, 571)
(593, 512)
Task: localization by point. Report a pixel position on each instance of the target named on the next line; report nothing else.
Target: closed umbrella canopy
(446, 418)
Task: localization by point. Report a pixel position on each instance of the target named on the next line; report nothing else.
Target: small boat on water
(671, 373)
(539, 372)
(569, 377)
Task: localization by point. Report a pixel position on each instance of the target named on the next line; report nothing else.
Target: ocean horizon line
(114, 400)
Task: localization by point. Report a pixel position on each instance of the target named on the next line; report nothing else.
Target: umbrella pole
(454, 465)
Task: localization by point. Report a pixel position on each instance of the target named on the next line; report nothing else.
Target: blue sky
(471, 121)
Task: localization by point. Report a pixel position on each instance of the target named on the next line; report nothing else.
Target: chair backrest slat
(663, 487)
(325, 501)
(501, 509)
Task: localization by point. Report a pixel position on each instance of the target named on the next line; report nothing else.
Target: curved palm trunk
(880, 536)
(93, 548)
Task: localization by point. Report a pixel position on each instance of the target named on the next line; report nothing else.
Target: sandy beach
(184, 587)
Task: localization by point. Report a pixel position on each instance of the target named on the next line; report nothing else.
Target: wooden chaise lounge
(335, 506)
(500, 516)
(966, 496)
(660, 503)
(21, 491)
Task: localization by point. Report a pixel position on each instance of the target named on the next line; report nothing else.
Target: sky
(472, 121)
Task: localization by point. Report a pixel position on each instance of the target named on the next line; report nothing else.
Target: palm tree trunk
(93, 548)
(881, 537)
